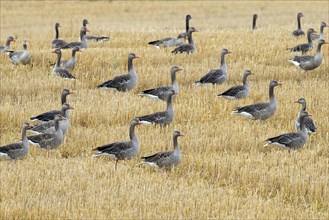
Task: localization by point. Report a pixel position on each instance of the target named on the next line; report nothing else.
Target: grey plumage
(308, 122)
(299, 31)
(254, 19)
(70, 64)
(81, 44)
(57, 43)
(7, 46)
(321, 35)
(168, 42)
(91, 37)
(58, 70)
(306, 46)
(187, 48)
(187, 26)
(20, 57)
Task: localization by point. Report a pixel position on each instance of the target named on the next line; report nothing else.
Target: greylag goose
(20, 57)
(187, 25)
(161, 93)
(82, 43)
(216, 76)
(57, 43)
(306, 46)
(261, 110)
(58, 70)
(121, 150)
(187, 48)
(308, 122)
(7, 47)
(70, 64)
(240, 91)
(254, 19)
(124, 82)
(48, 116)
(166, 159)
(49, 126)
(291, 141)
(49, 140)
(162, 118)
(16, 150)
(309, 62)
(91, 37)
(320, 36)
(169, 41)
(299, 31)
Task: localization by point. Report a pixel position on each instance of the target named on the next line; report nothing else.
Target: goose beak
(296, 101)
(181, 134)
(71, 92)
(253, 73)
(14, 40)
(71, 107)
(309, 115)
(53, 51)
(279, 84)
(136, 56)
(230, 52)
(87, 30)
(179, 69)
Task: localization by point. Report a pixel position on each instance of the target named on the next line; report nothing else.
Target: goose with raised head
(306, 46)
(57, 43)
(70, 64)
(187, 26)
(81, 44)
(161, 93)
(16, 150)
(48, 116)
(261, 110)
(299, 31)
(7, 46)
(58, 70)
(216, 76)
(254, 19)
(294, 140)
(124, 82)
(166, 159)
(320, 36)
(121, 150)
(187, 48)
(308, 122)
(20, 57)
(240, 91)
(91, 37)
(169, 41)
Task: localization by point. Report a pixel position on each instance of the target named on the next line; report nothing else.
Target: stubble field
(225, 172)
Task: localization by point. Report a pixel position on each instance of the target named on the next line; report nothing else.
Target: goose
(124, 82)
(70, 64)
(16, 150)
(169, 41)
(58, 70)
(49, 140)
(240, 91)
(298, 32)
(254, 18)
(161, 93)
(20, 57)
(49, 126)
(163, 118)
(57, 43)
(187, 25)
(91, 37)
(166, 159)
(187, 48)
(82, 43)
(121, 150)
(308, 122)
(262, 110)
(308, 63)
(7, 47)
(48, 116)
(216, 76)
(291, 141)
(306, 46)
(320, 36)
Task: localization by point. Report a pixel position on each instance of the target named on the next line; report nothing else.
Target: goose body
(168, 42)
(320, 36)
(306, 46)
(81, 44)
(299, 31)
(308, 122)
(7, 46)
(20, 57)
(60, 71)
(187, 26)
(57, 43)
(91, 37)
(187, 48)
(70, 64)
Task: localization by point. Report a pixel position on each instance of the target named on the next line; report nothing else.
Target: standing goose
(291, 141)
(7, 47)
(49, 140)
(261, 110)
(254, 19)
(121, 150)
(299, 31)
(320, 36)
(309, 62)
(48, 116)
(82, 43)
(49, 126)
(216, 76)
(166, 159)
(169, 41)
(187, 48)
(124, 82)
(58, 70)
(308, 122)
(70, 64)
(240, 91)
(162, 118)
(20, 57)
(306, 46)
(161, 93)
(16, 150)
(91, 37)
(57, 43)
(187, 25)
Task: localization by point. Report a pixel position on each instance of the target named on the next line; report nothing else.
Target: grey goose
(81, 44)
(20, 57)
(320, 36)
(7, 46)
(169, 41)
(254, 19)
(70, 64)
(57, 43)
(60, 71)
(187, 48)
(308, 122)
(91, 37)
(306, 46)
(299, 31)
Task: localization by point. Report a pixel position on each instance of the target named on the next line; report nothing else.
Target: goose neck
(245, 80)
(187, 22)
(132, 133)
(56, 31)
(59, 57)
(299, 24)
(169, 104)
(24, 137)
(271, 93)
(254, 22)
(175, 140)
(309, 37)
(189, 37)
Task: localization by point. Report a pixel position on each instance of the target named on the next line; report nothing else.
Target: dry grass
(225, 171)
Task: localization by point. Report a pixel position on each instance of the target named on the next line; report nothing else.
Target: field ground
(225, 172)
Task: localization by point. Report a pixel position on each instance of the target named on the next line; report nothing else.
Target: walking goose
(306, 46)
(299, 31)
(162, 118)
(261, 110)
(309, 62)
(82, 43)
(308, 122)
(121, 150)
(166, 159)
(70, 64)
(48, 116)
(20, 57)
(320, 36)
(49, 140)
(254, 19)
(161, 93)
(16, 150)
(240, 91)
(187, 25)
(58, 70)
(291, 141)
(124, 82)
(57, 43)
(216, 76)
(91, 37)
(169, 41)
(49, 126)
(187, 48)
(7, 47)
